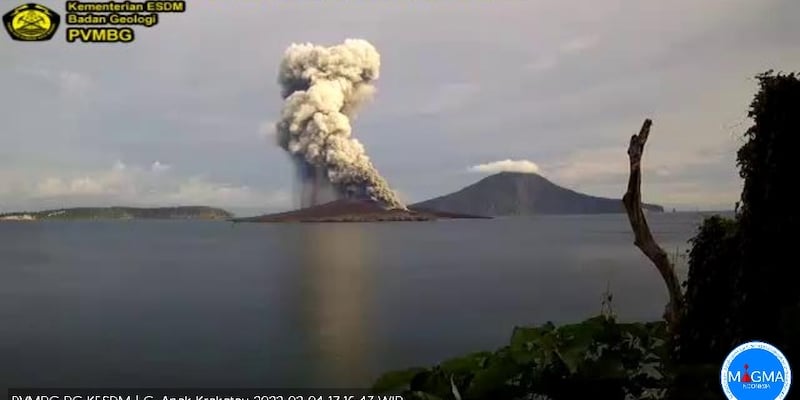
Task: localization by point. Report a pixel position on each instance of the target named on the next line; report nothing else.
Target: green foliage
(396, 380)
(708, 308)
(706, 336)
(769, 301)
(695, 381)
(597, 358)
(766, 160)
(743, 273)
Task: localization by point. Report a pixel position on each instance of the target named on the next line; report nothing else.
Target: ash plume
(322, 88)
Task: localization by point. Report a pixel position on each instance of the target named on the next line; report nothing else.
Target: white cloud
(158, 166)
(698, 195)
(74, 83)
(60, 187)
(610, 164)
(115, 181)
(579, 44)
(673, 178)
(198, 190)
(69, 83)
(154, 186)
(585, 166)
(548, 61)
(543, 63)
(506, 166)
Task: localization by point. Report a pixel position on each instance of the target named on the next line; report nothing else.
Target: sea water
(213, 304)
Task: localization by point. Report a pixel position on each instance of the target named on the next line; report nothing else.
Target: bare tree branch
(643, 237)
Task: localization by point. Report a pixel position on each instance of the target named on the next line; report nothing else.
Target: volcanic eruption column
(322, 88)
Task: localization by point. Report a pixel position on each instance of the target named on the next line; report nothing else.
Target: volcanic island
(357, 210)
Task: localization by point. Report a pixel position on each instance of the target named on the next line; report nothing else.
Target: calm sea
(211, 304)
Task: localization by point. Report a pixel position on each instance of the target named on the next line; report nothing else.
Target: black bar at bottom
(195, 394)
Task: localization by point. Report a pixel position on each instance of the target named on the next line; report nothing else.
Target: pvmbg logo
(756, 371)
(31, 23)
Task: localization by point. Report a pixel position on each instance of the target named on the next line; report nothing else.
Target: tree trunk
(643, 237)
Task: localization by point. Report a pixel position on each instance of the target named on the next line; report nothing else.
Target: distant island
(354, 210)
(502, 194)
(121, 213)
(515, 193)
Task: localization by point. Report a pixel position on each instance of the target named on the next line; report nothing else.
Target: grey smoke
(322, 88)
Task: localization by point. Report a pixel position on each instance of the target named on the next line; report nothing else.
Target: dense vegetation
(770, 219)
(190, 212)
(743, 277)
(597, 358)
(741, 287)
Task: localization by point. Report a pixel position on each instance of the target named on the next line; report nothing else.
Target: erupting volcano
(322, 88)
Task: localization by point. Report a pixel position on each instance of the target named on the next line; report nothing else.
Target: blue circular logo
(756, 371)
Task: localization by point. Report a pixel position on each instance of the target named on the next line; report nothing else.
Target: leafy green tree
(711, 285)
(743, 273)
(768, 301)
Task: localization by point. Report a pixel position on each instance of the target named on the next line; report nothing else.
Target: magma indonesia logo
(31, 23)
(756, 371)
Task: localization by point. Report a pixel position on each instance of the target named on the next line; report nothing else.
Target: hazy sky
(183, 114)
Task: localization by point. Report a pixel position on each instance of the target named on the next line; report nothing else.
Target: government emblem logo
(31, 23)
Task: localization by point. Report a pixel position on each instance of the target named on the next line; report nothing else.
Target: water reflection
(338, 299)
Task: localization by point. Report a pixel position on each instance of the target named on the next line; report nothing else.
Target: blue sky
(183, 114)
